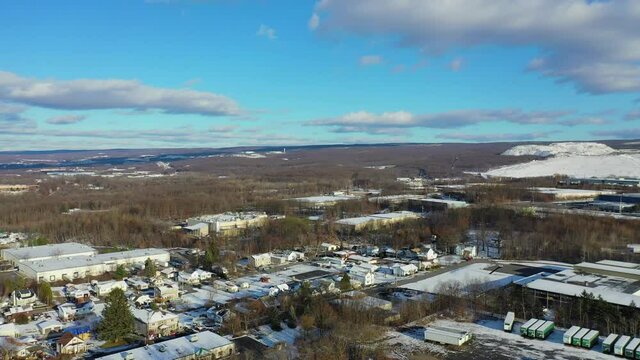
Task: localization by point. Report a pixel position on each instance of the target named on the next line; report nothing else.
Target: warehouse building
(323, 201)
(47, 252)
(375, 221)
(614, 281)
(431, 204)
(228, 223)
(68, 268)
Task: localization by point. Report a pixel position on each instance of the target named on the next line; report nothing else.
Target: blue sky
(180, 73)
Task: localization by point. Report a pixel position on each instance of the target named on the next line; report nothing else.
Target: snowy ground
(617, 165)
(490, 342)
(561, 149)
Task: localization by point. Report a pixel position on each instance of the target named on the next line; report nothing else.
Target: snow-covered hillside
(561, 149)
(617, 165)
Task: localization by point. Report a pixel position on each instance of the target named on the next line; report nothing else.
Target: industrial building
(432, 204)
(323, 201)
(204, 345)
(228, 223)
(444, 335)
(374, 221)
(571, 194)
(63, 267)
(47, 252)
(614, 281)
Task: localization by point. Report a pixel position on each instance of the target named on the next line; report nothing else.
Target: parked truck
(545, 329)
(532, 330)
(607, 344)
(577, 338)
(508, 321)
(524, 329)
(568, 335)
(589, 340)
(621, 344)
(630, 349)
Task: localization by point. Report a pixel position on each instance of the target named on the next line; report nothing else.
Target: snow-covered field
(571, 159)
(561, 149)
(619, 165)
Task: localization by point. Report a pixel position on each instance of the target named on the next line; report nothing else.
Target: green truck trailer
(545, 329)
(532, 329)
(630, 350)
(589, 340)
(607, 344)
(524, 329)
(568, 335)
(577, 338)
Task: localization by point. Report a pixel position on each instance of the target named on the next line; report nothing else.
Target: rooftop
(50, 251)
(174, 348)
(82, 261)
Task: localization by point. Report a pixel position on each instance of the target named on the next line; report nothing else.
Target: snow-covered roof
(50, 251)
(174, 348)
(150, 316)
(607, 293)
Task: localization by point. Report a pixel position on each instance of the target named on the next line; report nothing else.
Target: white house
(202, 274)
(188, 278)
(364, 277)
(404, 270)
(23, 297)
(104, 288)
(260, 260)
(294, 256)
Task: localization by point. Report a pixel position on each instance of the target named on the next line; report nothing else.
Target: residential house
(104, 288)
(23, 297)
(70, 344)
(166, 292)
(404, 269)
(154, 324)
(186, 278)
(363, 276)
(260, 260)
(47, 326)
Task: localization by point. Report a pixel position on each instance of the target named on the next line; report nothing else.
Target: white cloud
(66, 119)
(367, 122)
(368, 60)
(265, 31)
(314, 21)
(86, 94)
(592, 44)
(493, 137)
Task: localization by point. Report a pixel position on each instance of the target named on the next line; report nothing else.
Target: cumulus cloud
(592, 44)
(66, 119)
(493, 137)
(368, 60)
(265, 31)
(585, 121)
(363, 121)
(11, 112)
(87, 94)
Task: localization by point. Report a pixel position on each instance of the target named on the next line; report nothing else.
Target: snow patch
(561, 149)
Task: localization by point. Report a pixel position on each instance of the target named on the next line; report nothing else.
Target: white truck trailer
(445, 335)
(508, 321)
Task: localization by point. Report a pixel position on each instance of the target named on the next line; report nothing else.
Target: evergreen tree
(117, 320)
(150, 268)
(120, 273)
(345, 282)
(44, 293)
(211, 256)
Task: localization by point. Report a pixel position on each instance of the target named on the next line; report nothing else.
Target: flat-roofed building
(230, 223)
(47, 252)
(375, 221)
(431, 204)
(69, 268)
(202, 345)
